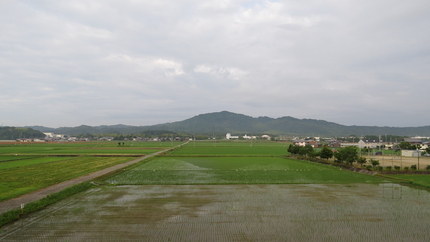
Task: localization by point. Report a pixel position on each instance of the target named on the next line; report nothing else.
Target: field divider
(222, 155)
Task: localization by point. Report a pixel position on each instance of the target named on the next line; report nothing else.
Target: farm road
(15, 203)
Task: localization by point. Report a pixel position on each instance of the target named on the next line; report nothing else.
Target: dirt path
(39, 194)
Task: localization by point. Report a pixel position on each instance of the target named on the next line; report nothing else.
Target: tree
(302, 151)
(348, 154)
(294, 149)
(374, 162)
(326, 153)
(308, 150)
(290, 148)
(314, 154)
(361, 161)
(338, 156)
(405, 145)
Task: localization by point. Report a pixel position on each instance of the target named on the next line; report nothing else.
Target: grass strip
(419, 180)
(13, 215)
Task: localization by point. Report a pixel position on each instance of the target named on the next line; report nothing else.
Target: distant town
(410, 147)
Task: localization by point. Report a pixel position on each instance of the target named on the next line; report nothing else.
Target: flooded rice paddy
(283, 212)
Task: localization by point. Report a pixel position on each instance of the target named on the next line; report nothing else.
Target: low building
(363, 144)
(229, 136)
(249, 137)
(299, 142)
(411, 153)
(413, 141)
(265, 136)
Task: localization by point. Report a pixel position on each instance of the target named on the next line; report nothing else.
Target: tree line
(347, 155)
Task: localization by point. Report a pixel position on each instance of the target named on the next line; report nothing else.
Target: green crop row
(29, 161)
(5, 158)
(85, 148)
(236, 143)
(79, 151)
(231, 150)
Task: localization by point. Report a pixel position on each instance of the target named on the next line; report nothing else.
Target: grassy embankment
(421, 180)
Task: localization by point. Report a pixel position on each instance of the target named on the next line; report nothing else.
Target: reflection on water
(307, 212)
(392, 191)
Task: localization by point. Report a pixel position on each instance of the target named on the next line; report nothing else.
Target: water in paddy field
(286, 212)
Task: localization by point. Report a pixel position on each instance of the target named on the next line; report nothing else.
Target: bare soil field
(329, 212)
(401, 161)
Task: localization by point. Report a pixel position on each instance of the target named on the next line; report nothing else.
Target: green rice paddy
(26, 167)
(19, 180)
(80, 150)
(27, 161)
(236, 170)
(232, 148)
(277, 212)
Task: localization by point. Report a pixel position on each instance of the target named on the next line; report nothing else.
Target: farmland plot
(323, 212)
(26, 167)
(84, 148)
(235, 170)
(27, 161)
(19, 180)
(189, 150)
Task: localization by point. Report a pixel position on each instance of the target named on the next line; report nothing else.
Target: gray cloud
(142, 62)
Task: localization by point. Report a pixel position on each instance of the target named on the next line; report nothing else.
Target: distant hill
(228, 122)
(13, 133)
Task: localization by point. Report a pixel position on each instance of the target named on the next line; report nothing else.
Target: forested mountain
(12, 133)
(228, 122)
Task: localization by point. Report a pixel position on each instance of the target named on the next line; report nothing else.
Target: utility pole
(418, 155)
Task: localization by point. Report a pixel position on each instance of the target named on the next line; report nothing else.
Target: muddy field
(330, 212)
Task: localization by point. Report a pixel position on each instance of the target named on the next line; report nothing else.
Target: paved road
(39, 194)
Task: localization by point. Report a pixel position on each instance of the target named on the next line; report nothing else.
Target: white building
(229, 136)
(361, 144)
(249, 137)
(265, 136)
(300, 142)
(49, 135)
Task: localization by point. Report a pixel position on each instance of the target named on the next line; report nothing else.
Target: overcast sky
(353, 62)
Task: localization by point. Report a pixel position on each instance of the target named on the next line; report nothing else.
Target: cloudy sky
(353, 62)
